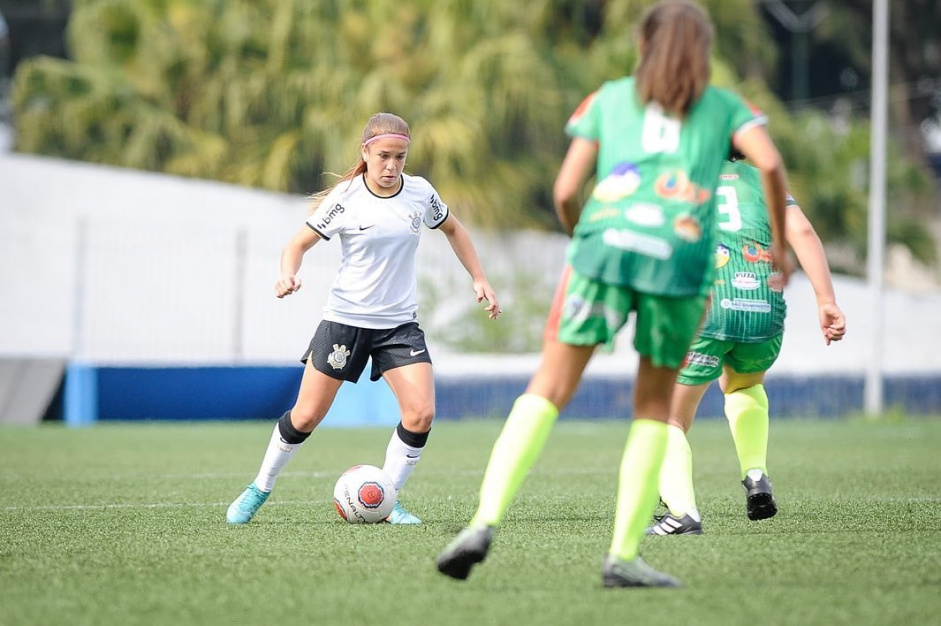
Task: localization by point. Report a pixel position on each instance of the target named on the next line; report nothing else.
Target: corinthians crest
(337, 358)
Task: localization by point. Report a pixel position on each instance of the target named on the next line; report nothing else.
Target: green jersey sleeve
(744, 115)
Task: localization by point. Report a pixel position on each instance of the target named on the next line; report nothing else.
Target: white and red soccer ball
(364, 494)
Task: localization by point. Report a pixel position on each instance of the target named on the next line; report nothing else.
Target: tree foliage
(274, 93)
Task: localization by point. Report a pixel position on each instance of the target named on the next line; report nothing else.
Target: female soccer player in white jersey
(377, 212)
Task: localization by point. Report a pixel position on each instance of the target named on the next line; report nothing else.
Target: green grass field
(124, 524)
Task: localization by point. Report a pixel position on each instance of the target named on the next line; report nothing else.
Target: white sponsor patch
(746, 281)
(628, 240)
(743, 304)
(645, 214)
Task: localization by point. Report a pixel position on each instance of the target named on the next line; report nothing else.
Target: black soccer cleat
(669, 524)
(469, 548)
(759, 499)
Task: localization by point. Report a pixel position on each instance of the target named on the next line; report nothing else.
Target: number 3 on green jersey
(730, 218)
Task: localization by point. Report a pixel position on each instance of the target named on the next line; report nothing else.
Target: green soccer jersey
(744, 308)
(649, 223)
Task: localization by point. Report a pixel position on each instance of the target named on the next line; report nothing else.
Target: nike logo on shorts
(416, 352)
(361, 227)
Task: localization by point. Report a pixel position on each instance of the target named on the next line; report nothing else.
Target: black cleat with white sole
(669, 524)
(759, 499)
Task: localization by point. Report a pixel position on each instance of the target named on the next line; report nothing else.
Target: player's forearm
(466, 253)
(775, 188)
(813, 260)
(568, 211)
(291, 258)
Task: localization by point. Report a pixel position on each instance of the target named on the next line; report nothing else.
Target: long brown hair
(674, 69)
(378, 124)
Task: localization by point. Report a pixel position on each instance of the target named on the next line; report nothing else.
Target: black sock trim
(414, 440)
(288, 432)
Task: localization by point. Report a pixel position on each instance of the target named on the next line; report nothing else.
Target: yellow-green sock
(676, 474)
(514, 453)
(637, 485)
(747, 412)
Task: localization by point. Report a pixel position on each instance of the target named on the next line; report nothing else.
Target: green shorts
(586, 312)
(707, 356)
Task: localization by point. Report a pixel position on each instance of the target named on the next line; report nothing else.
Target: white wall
(120, 266)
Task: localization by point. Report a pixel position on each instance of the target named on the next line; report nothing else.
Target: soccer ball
(364, 494)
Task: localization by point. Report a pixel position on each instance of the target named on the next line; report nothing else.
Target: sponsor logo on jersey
(645, 214)
(687, 228)
(337, 358)
(620, 183)
(743, 304)
(602, 214)
(754, 253)
(676, 185)
(746, 281)
(728, 176)
(624, 239)
(698, 358)
(330, 216)
(723, 254)
(437, 213)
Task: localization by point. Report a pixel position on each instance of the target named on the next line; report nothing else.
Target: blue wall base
(266, 392)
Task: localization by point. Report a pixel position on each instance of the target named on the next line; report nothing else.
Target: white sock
(401, 460)
(276, 457)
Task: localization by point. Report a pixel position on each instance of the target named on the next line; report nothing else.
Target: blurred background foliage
(274, 94)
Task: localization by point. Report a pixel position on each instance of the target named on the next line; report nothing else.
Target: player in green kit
(739, 341)
(643, 242)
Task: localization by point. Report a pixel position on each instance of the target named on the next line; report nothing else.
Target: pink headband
(386, 136)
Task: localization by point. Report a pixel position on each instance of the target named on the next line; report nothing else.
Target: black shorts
(341, 351)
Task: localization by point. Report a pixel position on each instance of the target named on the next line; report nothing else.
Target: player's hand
(832, 322)
(287, 285)
(485, 292)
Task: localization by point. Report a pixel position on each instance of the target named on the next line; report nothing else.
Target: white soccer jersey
(376, 286)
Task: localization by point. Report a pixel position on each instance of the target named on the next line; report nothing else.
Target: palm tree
(274, 93)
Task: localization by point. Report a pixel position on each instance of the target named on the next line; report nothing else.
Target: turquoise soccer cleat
(246, 505)
(400, 516)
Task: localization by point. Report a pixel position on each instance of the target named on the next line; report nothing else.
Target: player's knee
(418, 419)
(732, 382)
(306, 419)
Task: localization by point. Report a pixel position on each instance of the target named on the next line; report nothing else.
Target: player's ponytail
(674, 68)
